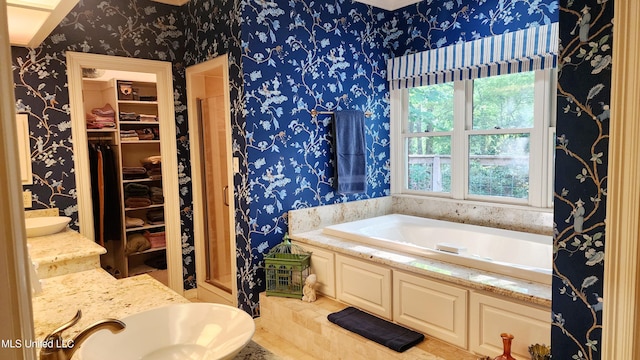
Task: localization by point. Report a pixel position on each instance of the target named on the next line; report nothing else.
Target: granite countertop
(99, 296)
(528, 291)
(68, 265)
(62, 246)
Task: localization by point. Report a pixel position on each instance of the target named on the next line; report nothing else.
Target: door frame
(219, 68)
(168, 145)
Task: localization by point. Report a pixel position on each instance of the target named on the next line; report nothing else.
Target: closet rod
(315, 113)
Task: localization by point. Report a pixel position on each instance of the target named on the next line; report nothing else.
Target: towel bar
(315, 113)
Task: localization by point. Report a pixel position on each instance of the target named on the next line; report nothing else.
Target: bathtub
(523, 255)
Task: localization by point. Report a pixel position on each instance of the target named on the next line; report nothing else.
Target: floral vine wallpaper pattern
(288, 57)
(584, 95)
(298, 56)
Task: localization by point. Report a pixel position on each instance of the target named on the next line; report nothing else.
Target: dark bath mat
(391, 335)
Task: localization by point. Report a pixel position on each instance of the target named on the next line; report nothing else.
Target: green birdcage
(286, 269)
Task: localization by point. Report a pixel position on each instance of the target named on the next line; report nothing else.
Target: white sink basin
(47, 225)
(181, 331)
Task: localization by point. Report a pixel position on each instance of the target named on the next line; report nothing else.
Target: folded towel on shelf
(98, 122)
(136, 243)
(157, 239)
(385, 333)
(131, 222)
(155, 216)
(128, 116)
(133, 172)
(106, 110)
(157, 196)
(350, 151)
(139, 190)
(129, 135)
(145, 134)
(148, 118)
(151, 160)
(136, 202)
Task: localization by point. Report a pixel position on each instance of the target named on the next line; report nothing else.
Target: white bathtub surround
(523, 255)
(460, 305)
(503, 216)
(303, 220)
(517, 289)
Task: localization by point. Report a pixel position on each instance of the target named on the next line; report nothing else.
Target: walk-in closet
(125, 159)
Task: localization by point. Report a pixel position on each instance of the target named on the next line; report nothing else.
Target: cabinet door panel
(431, 307)
(322, 264)
(364, 285)
(492, 316)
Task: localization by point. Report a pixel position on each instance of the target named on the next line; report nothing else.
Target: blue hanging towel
(350, 152)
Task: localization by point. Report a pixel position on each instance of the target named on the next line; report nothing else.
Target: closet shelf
(144, 227)
(137, 102)
(102, 131)
(141, 123)
(146, 252)
(122, 141)
(154, 206)
(140, 180)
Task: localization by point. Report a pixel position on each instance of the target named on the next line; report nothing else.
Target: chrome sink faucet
(55, 348)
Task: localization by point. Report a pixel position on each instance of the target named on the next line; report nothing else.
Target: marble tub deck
(519, 289)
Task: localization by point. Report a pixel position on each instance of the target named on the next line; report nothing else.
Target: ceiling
(31, 21)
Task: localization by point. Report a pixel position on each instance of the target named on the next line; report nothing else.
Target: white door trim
(207, 291)
(168, 145)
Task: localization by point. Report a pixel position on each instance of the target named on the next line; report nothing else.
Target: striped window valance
(534, 48)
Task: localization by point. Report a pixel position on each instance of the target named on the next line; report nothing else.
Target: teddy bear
(309, 291)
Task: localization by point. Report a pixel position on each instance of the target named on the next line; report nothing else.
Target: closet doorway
(152, 94)
(212, 178)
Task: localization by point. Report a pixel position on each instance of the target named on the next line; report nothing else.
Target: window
(486, 139)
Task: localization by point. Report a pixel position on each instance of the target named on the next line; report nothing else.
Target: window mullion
(459, 141)
(398, 147)
(537, 158)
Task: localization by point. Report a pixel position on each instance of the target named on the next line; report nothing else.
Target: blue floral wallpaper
(584, 95)
(290, 57)
(137, 28)
(212, 29)
(299, 56)
(432, 24)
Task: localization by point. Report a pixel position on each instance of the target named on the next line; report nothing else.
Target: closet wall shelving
(129, 152)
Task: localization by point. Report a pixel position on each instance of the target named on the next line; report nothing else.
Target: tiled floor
(296, 330)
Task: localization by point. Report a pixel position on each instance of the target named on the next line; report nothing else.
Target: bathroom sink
(46, 225)
(179, 331)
